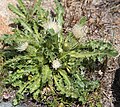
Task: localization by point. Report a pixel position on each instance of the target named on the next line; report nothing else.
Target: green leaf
(83, 21)
(34, 85)
(22, 88)
(60, 87)
(16, 11)
(46, 74)
(82, 99)
(17, 83)
(36, 95)
(36, 7)
(26, 26)
(73, 94)
(22, 6)
(84, 54)
(66, 79)
(59, 11)
(19, 97)
(15, 102)
(98, 104)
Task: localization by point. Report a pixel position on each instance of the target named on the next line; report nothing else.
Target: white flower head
(56, 64)
(22, 47)
(52, 25)
(10, 72)
(6, 95)
(79, 32)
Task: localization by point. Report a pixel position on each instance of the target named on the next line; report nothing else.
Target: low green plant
(42, 62)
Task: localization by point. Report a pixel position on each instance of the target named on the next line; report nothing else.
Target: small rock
(9, 104)
(5, 104)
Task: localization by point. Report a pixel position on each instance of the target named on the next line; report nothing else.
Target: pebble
(9, 104)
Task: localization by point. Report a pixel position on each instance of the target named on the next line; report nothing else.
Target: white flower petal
(80, 32)
(22, 47)
(56, 64)
(52, 25)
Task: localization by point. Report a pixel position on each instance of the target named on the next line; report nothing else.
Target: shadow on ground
(116, 88)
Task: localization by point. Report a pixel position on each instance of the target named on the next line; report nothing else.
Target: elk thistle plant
(43, 62)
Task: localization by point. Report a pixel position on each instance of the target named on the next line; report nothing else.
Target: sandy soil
(5, 16)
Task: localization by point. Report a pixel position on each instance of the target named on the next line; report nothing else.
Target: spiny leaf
(23, 88)
(83, 54)
(26, 26)
(59, 86)
(34, 85)
(22, 6)
(59, 12)
(90, 54)
(16, 11)
(46, 73)
(66, 79)
(36, 95)
(36, 7)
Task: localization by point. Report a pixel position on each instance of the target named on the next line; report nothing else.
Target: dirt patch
(5, 16)
(4, 28)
